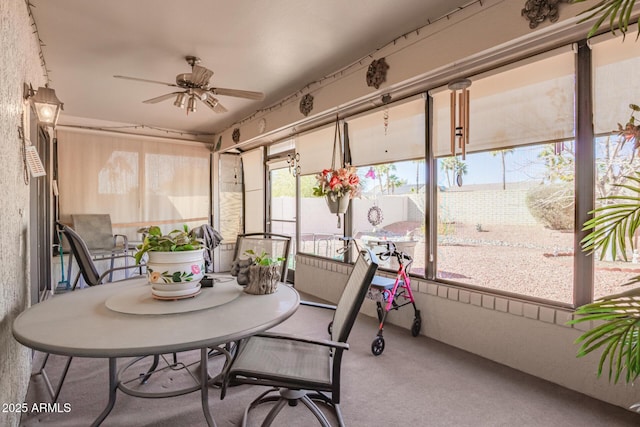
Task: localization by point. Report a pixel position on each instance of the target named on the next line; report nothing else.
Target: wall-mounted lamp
(46, 103)
(459, 115)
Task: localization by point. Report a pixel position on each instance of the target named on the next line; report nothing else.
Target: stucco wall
(19, 63)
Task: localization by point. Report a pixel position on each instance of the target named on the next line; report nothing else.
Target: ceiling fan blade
(146, 81)
(200, 76)
(256, 96)
(214, 104)
(161, 98)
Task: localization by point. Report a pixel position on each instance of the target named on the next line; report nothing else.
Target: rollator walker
(390, 293)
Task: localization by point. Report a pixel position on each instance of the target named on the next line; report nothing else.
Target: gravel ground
(530, 260)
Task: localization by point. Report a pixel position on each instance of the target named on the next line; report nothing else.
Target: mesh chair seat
(298, 364)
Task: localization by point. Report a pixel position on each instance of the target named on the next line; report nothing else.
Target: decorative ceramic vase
(263, 279)
(175, 272)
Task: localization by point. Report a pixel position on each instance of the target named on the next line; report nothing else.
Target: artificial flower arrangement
(335, 183)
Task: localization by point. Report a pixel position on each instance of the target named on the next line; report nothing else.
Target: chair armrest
(107, 272)
(125, 241)
(318, 305)
(290, 337)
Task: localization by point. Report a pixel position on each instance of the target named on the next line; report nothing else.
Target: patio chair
(300, 368)
(97, 232)
(276, 245)
(91, 276)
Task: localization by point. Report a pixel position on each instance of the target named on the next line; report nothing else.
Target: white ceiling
(275, 46)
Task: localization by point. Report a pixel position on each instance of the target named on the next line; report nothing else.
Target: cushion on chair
(308, 365)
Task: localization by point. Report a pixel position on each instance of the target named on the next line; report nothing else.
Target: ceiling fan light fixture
(191, 106)
(180, 100)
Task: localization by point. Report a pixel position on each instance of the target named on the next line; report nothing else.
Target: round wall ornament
(377, 72)
(306, 104)
(236, 135)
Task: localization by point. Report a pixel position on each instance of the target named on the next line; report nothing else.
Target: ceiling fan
(195, 85)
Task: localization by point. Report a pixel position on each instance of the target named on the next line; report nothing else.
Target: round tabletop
(80, 323)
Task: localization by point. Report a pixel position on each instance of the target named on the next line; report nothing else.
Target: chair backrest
(95, 229)
(276, 245)
(82, 255)
(353, 295)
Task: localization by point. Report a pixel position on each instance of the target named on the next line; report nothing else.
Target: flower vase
(338, 204)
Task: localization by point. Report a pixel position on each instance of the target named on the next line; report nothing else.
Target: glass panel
(392, 208)
(615, 87)
(506, 220)
(283, 207)
(319, 230)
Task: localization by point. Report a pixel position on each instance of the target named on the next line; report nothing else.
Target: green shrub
(553, 205)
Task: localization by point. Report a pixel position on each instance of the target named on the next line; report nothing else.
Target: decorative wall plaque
(377, 73)
(306, 104)
(236, 135)
(536, 11)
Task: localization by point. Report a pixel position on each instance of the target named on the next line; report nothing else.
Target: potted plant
(617, 317)
(264, 273)
(175, 263)
(338, 187)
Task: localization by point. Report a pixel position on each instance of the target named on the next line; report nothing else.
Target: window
(319, 230)
(615, 87)
(388, 147)
(505, 211)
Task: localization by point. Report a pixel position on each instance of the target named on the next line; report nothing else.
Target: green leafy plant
(264, 258)
(616, 12)
(617, 317)
(175, 241)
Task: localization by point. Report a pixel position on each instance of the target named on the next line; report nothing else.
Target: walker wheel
(415, 327)
(330, 328)
(377, 346)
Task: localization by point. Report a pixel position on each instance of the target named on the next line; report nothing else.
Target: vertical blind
(137, 180)
(531, 101)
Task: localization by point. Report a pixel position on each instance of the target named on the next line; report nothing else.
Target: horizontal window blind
(527, 102)
(316, 149)
(615, 65)
(138, 181)
(253, 173)
(392, 133)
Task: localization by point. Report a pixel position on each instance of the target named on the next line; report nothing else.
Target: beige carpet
(415, 382)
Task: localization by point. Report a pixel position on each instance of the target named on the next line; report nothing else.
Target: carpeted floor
(415, 382)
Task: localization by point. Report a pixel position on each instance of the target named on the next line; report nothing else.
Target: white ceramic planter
(165, 270)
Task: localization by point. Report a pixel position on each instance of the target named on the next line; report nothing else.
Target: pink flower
(195, 269)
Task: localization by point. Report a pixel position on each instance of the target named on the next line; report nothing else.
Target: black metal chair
(299, 368)
(90, 274)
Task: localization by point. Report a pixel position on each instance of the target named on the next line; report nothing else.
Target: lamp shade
(47, 105)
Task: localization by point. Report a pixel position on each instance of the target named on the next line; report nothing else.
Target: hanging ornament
(371, 173)
(374, 216)
(385, 118)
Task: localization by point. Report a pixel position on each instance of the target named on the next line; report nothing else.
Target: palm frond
(618, 13)
(617, 335)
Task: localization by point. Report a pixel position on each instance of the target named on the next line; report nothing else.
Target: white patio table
(123, 320)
